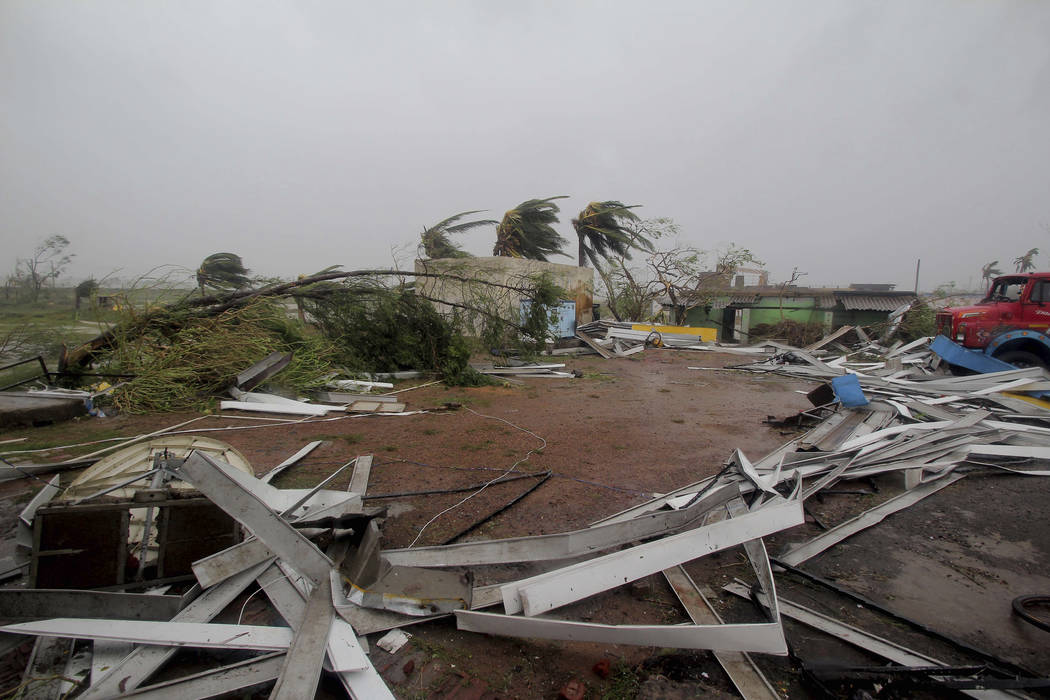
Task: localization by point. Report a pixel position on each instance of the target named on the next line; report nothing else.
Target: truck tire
(1021, 358)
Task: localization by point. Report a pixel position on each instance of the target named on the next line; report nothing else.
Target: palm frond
(436, 242)
(222, 271)
(527, 231)
(603, 229)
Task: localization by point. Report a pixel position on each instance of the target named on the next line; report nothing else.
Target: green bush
(386, 330)
(182, 363)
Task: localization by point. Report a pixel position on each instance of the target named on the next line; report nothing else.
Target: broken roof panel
(871, 302)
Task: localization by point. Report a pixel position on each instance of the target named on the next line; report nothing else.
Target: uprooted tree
(370, 320)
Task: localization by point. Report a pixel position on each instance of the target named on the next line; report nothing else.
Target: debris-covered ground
(625, 431)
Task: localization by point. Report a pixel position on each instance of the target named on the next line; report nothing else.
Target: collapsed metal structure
(317, 554)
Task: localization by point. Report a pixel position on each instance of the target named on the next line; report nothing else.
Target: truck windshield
(1006, 290)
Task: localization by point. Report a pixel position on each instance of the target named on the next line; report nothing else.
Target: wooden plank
(176, 634)
(302, 664)
(359, 479)
(548, 591)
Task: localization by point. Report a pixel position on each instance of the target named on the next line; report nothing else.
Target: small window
(1041, 292)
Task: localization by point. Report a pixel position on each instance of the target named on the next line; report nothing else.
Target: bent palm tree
(435, 239)
(222, 271)
(1026, 262)
(989, 270)
(602, 230)
(526, 230)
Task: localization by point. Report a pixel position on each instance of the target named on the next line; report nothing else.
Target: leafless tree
(48, 261)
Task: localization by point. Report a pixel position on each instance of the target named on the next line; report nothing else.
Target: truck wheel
(1021, 358)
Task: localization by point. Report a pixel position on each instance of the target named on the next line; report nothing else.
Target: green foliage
(624, 682)
(223, 271)
(375, 329)
(180, 362)
(85, 289)
(920, 321)
(792, 332)
(436, 242)
(527, 230)
(542, 312)
(603, 230)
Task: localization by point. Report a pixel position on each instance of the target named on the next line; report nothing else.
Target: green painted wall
(773, 316)
(799, 309)
(698, 318)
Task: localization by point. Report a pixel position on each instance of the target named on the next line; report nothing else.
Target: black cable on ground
(502, 509)
(438, 492)
(1021, 604)
(558, 475)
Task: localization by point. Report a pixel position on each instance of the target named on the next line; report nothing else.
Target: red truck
(1010, 323)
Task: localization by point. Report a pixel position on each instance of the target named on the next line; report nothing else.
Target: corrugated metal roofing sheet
(873, 302)
(737, 299)
(824, 301)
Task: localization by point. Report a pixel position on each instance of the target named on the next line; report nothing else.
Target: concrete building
(736, 311)
(578, 283)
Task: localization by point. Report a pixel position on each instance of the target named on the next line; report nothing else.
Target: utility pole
(917, 264)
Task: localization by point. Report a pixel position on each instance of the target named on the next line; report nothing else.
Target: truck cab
(1010, 323)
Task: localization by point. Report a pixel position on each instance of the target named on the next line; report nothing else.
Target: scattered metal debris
(317, 555)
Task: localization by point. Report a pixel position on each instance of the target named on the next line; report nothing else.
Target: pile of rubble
(316, 555)
(623, 338)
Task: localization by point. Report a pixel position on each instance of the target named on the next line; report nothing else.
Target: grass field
(41, 327)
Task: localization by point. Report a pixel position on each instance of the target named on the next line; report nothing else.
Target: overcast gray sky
(845, 138)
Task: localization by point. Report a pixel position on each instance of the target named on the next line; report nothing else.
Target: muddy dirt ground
(627, 429)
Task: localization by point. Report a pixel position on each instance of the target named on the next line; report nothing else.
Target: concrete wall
(578, 282)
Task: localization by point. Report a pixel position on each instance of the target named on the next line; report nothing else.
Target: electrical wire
(512, 468)
(284, 577)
